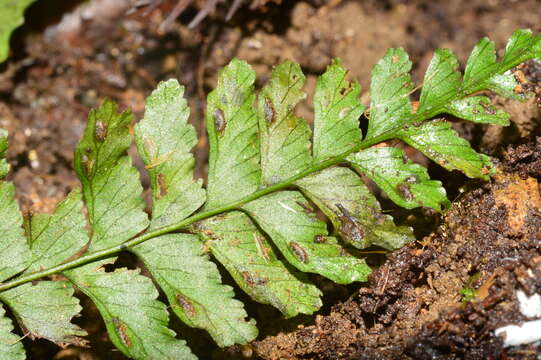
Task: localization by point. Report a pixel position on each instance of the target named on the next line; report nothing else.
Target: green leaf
(135, 320)
(390, 88)
(441, 82)
(164, 140)
(233, 136)
(484, 72)
(44, 310)
(292, 225)
(439, 142)
(405, 182)
(442, 87)
(285, 138)
(11, 17)
(14, 250)
(477, 109)
(194, 288)
(353, 210)
(11, 348)
(337, 109)
(111, 186)
(236, 243)
(481, 65)
(4, 166)
(521, 46)
(54, 238)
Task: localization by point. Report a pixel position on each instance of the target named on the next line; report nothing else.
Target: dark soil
(68, 60)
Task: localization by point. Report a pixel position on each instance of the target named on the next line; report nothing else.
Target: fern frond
(267, 177)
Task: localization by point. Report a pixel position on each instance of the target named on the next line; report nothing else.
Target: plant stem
(186, 222)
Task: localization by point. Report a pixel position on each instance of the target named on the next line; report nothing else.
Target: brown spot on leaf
(350, 228)
(162, 185)
(269, 111)
(405, 192)
(345, 90)
(253, 280)
(88, 165)
(100, 131)
(320, 239)
(299, 252)
(488, 109)
(120, 328)
(219, 121)
(186, 304)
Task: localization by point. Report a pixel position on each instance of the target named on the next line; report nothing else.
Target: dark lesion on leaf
(252, 279)
(100, 131)
(120, 328)
(268, 109)
(88, 164)
(320, 239)
(219, 121)
(185, 304)
(404, 191)
(162, 185)
(350, 228)
(346, 90)
(488, 108)
(299, 252)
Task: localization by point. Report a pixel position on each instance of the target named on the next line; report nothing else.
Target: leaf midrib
(113, 250)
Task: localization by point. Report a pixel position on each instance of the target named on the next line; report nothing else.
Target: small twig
(209, 6)
(233, 9)
(177, 10)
